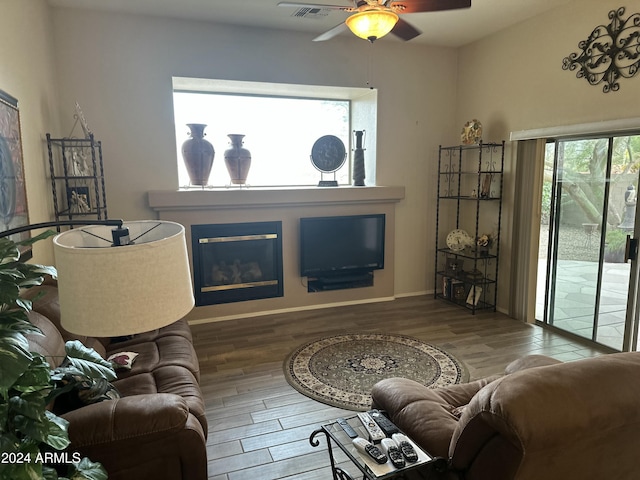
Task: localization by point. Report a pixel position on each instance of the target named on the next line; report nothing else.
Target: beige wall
(119, 68)
(514, 81)
(27, 68)
(210, 207)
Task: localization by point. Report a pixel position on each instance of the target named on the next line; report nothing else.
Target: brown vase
(238, 160)
(198, 155)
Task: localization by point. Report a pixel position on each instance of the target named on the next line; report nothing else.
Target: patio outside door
(589, 207)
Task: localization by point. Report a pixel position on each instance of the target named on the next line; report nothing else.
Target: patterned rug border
(326, 394)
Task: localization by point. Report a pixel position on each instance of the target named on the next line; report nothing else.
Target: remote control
(348, 429)
(375, 432)
(405, 447)
(384, 423)
(370, 449)
(393, 452)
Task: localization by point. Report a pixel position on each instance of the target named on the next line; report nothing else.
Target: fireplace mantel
(288, 206)
(214, 199)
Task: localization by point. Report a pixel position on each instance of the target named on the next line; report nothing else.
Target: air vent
(309, 12)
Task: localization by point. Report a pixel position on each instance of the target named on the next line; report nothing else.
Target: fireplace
(236, 262)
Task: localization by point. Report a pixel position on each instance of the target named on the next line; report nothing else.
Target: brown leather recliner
(158, 428)
(542, 419)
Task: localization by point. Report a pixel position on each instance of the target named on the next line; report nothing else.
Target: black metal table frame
(340, 474)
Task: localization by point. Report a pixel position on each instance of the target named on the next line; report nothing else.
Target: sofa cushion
(164, 351)
(168, 379)
(178, 328)
(50, 344)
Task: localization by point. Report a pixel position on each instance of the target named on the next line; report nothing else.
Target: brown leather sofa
(542, 419)
(158, 428)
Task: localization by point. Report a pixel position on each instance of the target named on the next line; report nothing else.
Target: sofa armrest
(557, 421)
(127, 417)
(141, 436)
(530, 361)
(428, 416)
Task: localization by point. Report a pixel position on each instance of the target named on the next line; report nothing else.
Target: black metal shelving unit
(77, 178)
(469, 198)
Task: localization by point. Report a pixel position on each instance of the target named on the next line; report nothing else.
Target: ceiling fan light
(372, 24)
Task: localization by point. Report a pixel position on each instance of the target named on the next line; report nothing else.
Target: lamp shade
(372, 24)
(108, 291)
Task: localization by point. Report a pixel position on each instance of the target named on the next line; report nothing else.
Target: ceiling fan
(372, 19)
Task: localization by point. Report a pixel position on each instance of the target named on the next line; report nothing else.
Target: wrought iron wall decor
(611, 51)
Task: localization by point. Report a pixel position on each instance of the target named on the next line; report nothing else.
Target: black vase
(358, 160)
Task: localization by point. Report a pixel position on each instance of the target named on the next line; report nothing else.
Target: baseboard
(290, 310)
(431, 292)
(201, 321)
(414, 294)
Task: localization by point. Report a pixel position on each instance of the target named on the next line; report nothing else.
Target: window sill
(254, 197)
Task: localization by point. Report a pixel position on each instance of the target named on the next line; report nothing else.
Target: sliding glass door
(585, 286)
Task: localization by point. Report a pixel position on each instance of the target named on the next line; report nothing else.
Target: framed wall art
(13, 194)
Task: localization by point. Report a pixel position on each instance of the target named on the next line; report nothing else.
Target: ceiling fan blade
(335, 31)
(405, 30)
(314, 5)
(416, 6)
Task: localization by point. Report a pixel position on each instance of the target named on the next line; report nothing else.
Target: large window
(280, 128)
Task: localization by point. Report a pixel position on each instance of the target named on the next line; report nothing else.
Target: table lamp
(122, 280)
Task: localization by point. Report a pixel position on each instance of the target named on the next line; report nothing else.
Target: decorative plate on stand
(328, 154)
(457, 240)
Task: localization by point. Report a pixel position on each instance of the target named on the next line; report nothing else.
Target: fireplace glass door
(237, 262)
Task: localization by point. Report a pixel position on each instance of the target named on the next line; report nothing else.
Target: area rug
(341, 370)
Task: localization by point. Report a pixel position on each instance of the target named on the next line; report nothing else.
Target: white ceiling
(452, 28)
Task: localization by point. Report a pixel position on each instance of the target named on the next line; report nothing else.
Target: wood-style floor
(259, 426)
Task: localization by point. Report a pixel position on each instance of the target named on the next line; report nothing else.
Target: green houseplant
(32, 438)
(615, 244)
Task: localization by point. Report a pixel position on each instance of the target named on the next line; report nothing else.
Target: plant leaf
(29, 406)
(15, 358)
(88, 470)
(9, 292)
(30, 428)
(9, 252)
(11, 274)
(88, 361)
(52, 430)
(49, 473)
(27, 471)
(16, 321)
(41, 236)
(36, 378)
(57, 432)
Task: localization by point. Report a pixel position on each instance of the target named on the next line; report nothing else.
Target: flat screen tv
(348, 244)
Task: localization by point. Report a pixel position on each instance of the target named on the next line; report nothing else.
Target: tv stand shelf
(340, 281)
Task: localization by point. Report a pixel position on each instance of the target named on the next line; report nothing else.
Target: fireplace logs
(236, 272)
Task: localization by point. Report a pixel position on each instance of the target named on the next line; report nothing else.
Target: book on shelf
(458, 290)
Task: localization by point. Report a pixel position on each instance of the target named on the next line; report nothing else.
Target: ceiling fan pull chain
(369, 66)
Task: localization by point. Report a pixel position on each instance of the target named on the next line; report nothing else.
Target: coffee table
(336, 436)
